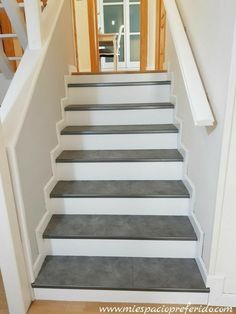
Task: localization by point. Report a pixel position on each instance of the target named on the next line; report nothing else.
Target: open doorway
(112, 14)
(120, 35)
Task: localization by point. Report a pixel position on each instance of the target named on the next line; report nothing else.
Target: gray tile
(120, 227)
(119, 129)
(85, 272)
(134, 106)
(120, 273)
(149, 155)
(165, 274)
(114, 84)
(121, 189)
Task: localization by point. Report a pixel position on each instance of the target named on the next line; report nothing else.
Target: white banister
(200, 107)
(16, 17)
(5, 66)
(33, 14)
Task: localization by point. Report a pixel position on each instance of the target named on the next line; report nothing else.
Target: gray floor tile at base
(120, 273)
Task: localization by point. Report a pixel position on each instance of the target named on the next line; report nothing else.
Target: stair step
(120, 189)
(134, 106)
(149, 155)
(175, 228)
(120, 273)
(120, 129)
(117, 84)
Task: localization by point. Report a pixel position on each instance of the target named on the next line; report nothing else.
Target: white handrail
(200, 107)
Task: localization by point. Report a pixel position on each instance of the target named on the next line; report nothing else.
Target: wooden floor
(3, 303)
(51, 307)
(48, 307)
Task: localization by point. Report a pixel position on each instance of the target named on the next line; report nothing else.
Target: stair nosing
(187, 239)
(120, 107)
(118, 196)
(171, 130)
(118, 84)
(200, 290)
(118, 159)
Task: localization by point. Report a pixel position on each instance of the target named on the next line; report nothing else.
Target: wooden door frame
(93, 35)
(143, 34)
(160, 35)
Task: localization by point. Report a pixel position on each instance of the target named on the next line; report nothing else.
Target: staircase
(120, 220)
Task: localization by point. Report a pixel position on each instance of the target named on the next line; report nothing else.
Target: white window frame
(126, 64)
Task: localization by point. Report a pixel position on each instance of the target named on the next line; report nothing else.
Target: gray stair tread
(119, 189)
(149, 155)
(117, 84)
(175, 228)
(120, 273)
(134, 106)
(119, 129)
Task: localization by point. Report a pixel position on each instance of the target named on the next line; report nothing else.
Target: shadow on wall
(4, 84)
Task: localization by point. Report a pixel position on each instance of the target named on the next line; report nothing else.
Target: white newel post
(12, 262)
(33, 16)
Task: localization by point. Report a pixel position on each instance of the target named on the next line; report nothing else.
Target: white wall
(207, 24)
(81, 12)
(4, 84)
(29, 122)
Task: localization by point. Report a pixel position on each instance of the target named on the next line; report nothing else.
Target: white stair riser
(119, 117)
(121, 296)
(122, 248)
(120, 206)
(108, 78)
(120, 141)
(120, 171)
(119, 94)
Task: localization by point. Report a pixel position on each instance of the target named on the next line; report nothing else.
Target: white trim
(123, 248)
(200, 107)
(43, 248)
(121, 296)
(28, 69)
(189, 184)
(119, 170)
(120, 141)
(121, 206)
(12, 261)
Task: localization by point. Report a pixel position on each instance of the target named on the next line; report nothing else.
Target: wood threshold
(120, 72)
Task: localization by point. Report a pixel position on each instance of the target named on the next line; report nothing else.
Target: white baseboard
(42, 245)
(217, 296)
(38, 264)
